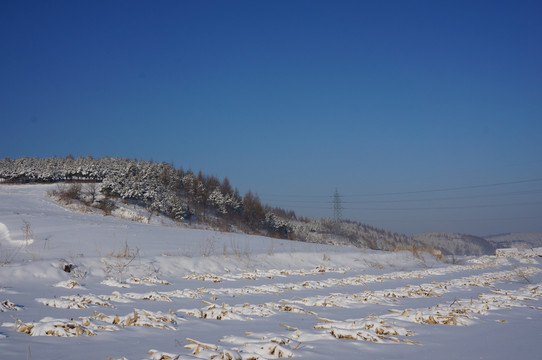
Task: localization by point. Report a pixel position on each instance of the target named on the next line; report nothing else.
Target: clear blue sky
(383, 100)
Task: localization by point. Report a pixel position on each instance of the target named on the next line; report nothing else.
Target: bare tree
(91, 190)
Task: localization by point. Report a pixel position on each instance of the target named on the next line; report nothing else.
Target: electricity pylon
(337, 208)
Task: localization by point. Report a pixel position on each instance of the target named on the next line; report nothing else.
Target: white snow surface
(159, 291)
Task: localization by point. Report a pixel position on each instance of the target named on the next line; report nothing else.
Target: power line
(449, 207)
(421, 191)
(295, 196)
(452, 188)
(464, 197)
(336, 201)
(423, 207)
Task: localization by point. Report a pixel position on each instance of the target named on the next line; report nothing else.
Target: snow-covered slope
(88, 286)
(457, 244)
(521, 240)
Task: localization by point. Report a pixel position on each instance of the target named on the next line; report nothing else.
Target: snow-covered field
(86, 286)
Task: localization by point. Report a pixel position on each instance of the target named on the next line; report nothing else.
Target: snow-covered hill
(205, 202)
(201, 200)
(89, 286)
(457, 244)
(519, 240)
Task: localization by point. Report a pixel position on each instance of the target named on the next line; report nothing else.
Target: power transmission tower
(337, 208)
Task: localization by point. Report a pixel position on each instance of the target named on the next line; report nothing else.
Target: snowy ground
(158, 291)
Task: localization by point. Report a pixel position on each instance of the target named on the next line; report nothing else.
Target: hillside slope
(204, 201)
(183, 196)
(518, 240)
(456, 244)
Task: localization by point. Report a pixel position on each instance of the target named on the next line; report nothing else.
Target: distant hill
(346, 232)
(518, 240)
(456, 244)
